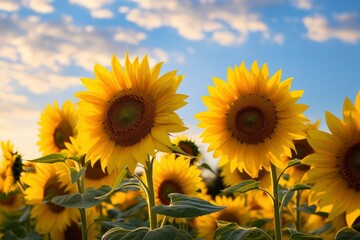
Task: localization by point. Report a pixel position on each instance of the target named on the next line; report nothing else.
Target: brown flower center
(166, 187)
(303, 149)
(8, 200)
(129, 118)
(53, 188)
(251, 119)
(73, 232)
(228, 216)
(95, 172)
(62, 134)
(350, 166)
(190, 148)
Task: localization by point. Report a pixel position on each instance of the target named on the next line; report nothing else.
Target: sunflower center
(53, 188)
(166, 187)
(129, 118)
(190, 148)
(251, 119)
(73, 232)
(95, 172)
(303, 149)
(228, 216)
(350, 167)
(17, 168)
(62, 134)
(8, 200)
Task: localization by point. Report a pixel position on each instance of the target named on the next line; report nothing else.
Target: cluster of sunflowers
(112, 168)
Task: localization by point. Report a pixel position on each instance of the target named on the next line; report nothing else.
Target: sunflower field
(116, 164)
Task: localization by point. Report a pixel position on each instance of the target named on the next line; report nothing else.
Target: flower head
(57, 125)
(128, 113)
(335, 164)
(252, 118)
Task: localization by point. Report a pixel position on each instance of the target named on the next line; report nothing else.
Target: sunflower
(11, 166)
(73, 230)
(128, 113)
(237, 176)
(11, 202)
(252, 118)
(189, 146)
(48, 181)
(125, 200)
(56, 127)
(175, 175)
(335, 164)
(235, 211)
(94, 175)
(302, 149)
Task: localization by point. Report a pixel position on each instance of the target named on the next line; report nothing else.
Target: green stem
(298, 218)
(277, 217)
(151, 194)
(81, 188)
(83, 223)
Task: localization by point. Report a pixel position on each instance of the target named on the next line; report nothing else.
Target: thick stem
(81, 188)
(151, 194)
(298, 217)
(277, 217)
(83, 223)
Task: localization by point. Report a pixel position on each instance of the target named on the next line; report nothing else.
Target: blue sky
(47, 46)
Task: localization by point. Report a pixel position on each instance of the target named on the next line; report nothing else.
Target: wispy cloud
(303, 4)
(40, 6)
(345, 29)
(228, 23)
(98, 8)
(9, 5)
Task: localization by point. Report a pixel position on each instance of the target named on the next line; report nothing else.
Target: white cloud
(303, 4)
(130, 36)
(223, 23)
(57, 45)
(97, 4)
(279, 38)
(123, 9)
(9, 5)
(319, 29)
(40, 6)
(96, 8)
(101, 13)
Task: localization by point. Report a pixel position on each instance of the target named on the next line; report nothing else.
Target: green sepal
(182, 206)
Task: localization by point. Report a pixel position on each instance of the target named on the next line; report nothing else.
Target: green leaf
(75, 175)
(116, 184)
(288, 194)
(77, 200)
(242, 187)
(207, 167)
(312, 210)
(51, 158)
(231, 231)
(33, 236)
(347, 233)
(295, 235)
(168, 232)
(176, 149)
(182, 206)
